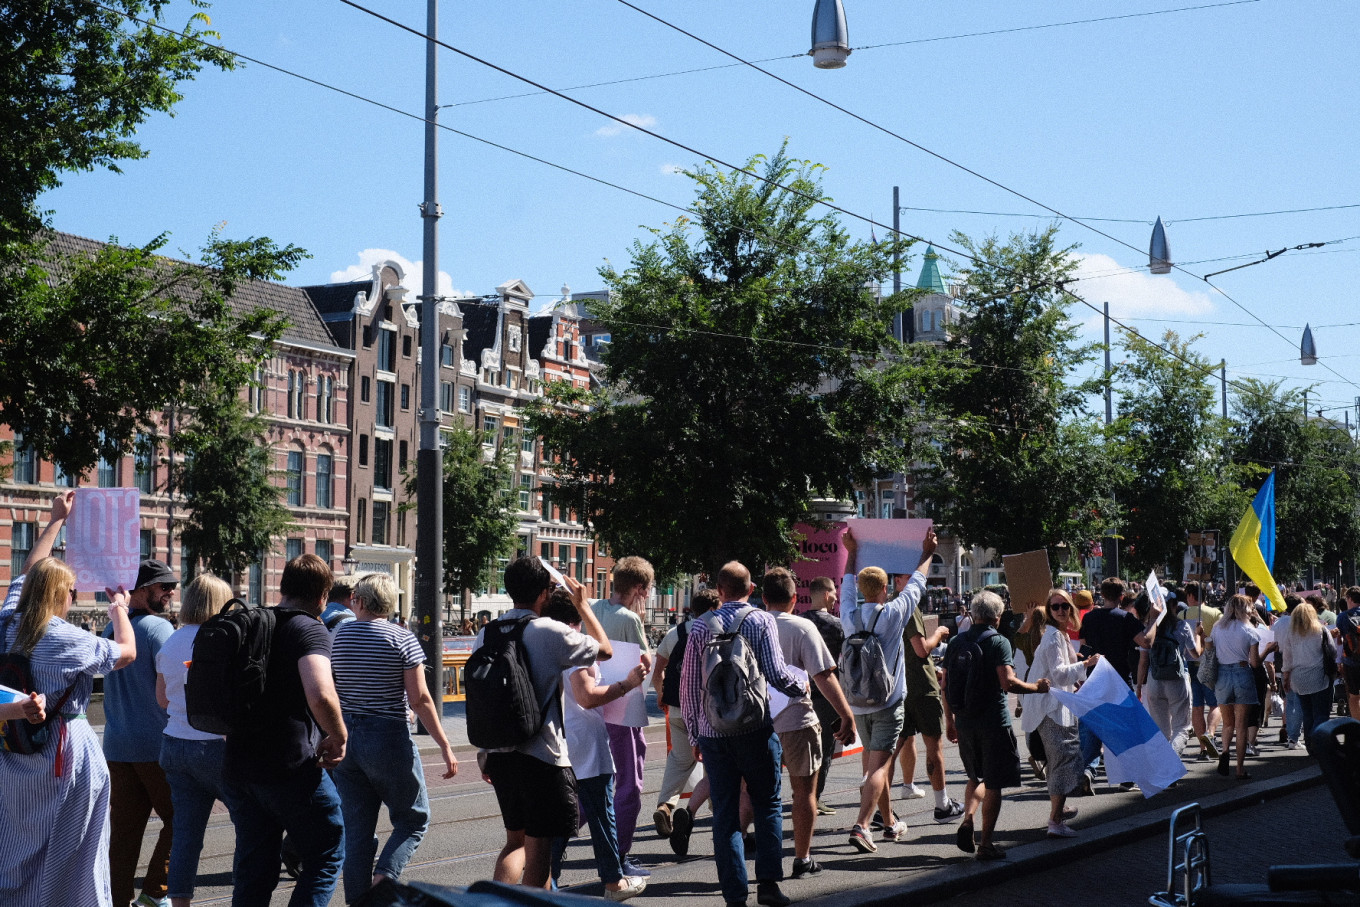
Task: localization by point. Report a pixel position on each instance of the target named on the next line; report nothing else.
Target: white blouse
(1055, 660)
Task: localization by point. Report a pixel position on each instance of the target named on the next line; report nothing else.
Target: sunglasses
(1060, 606)
(166, 587)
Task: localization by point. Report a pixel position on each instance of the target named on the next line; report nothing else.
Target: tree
(479, 523)
(78, 78)
(94, 346)
(749, 370)
(1022, 465)
(235, 510)
(1175, 473)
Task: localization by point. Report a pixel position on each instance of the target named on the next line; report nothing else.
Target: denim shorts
(1236, 685)
(880, 730)
(1201, 696)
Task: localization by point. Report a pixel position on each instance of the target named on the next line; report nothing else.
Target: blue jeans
(596, 796)
(193, 769)
(754, 757)
(1314, 709)
(381, 768)
(308, 808)
(1293, 716)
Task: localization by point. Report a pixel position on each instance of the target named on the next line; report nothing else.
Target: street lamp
(830, 37)
(1159, 252)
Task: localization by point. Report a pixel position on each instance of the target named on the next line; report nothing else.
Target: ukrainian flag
(1253, 542)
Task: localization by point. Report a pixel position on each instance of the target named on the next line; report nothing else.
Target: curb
(1031, 858)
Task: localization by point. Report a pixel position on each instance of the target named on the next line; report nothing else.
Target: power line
(1138, 220)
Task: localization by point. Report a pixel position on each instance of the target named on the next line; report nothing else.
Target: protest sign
(820, 554)
(631, 709)
(894, 545)
(103, 538)
(778, 701)
(1028, 578)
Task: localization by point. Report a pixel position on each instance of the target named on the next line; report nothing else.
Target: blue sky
(1235, 109)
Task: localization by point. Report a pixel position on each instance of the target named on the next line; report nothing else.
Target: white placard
(552, 571)
(894, 545)
(103, 541)
(778, 701)
(1156, 593)
(1267, 636)
(631, 709)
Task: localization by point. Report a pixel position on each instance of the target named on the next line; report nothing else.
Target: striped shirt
(370, 659)
(760, 631)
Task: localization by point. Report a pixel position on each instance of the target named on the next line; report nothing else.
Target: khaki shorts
(922, 715)
(802, 751)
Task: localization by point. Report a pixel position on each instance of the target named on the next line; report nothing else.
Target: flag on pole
(1135, 749)
(1253, 542)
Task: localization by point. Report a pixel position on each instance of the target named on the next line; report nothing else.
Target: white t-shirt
(1233, 641)
(587, 737)
(178, 649)
(803, 647)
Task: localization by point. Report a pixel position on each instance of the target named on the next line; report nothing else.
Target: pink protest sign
(103, 539)
(894, 545)
(821, 554)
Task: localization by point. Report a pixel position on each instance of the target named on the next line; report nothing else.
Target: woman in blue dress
(54, 804)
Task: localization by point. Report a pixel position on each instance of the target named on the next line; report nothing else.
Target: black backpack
(970, 685)
(224, 688)
(670, 680)
(1164, 661)
(502, 708)
(16, 672)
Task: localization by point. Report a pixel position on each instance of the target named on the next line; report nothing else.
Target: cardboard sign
(1028, 578)
(894, 545)
(103, 538)
(821, 555)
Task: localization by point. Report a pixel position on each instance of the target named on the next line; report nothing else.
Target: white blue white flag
(1135, 749)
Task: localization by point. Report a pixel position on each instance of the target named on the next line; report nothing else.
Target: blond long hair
(1304, 620)
(203, 598)
(47, 592)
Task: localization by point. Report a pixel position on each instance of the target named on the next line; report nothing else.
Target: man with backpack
(873, 672)
(680, 761)
(528, 765)
(273, 778)
(731, 655)
(978, 673)
(823, 592)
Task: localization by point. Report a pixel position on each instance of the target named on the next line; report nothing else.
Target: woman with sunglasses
(54, 804)
(1055, 659)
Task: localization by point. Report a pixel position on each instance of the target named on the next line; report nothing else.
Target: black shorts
(535, 797)
(989, 755)
(1352, 679)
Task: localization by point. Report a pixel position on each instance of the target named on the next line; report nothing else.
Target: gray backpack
(734, 694)
(864, 673)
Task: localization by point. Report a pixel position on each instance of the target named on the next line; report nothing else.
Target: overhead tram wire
(935, 154)
(1136, 220)
(855, 215)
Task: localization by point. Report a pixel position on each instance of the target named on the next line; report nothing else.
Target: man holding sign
(800, 733)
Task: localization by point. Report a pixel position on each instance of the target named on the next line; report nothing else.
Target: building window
(381, 510)
(325, 551)
(297, 395)
(446, 396)
(406, 347)
(146, 543)
(386, 392)
(364, 389)
(489, 427)
(885, 507)
(508, 437)
(62, 478)
(107, 471)
(488, 376)
(363, 450)
(144, 463)
(465, 399)
(296, 463)
(323, 480)
(526, 491)
(255, 393)
(387, 350)
(21, 543)
(293, 548)
(382, 466)
(514, 340)
(401, 454)
(25, 462)
(405, 396)
(580, 564)
(255, 581)
(362, 521)
(446, 355)
(325, 399)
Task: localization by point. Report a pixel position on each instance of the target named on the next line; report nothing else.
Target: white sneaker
(898, 831)
(911, 792)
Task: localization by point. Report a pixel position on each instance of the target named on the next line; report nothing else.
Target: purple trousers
(629, 750)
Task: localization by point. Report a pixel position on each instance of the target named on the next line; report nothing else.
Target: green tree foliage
(1317, 477)
(479, 521)
(226, 480)
(1175, 472)
(78, 77)
(749, 369)
(95, 346)
(1022, 466)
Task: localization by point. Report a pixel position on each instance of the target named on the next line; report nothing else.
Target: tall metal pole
(904, 328)
(429, 465)
(1223, 382)
(1109, 396)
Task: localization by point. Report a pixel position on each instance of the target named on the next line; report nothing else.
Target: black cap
(154, 571)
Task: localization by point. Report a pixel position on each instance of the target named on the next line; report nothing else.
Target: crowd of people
(751, 691)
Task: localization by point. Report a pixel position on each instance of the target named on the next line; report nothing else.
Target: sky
(1203, 110)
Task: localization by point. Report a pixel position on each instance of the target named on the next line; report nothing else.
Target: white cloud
(672, 169)
(1135, 294)
(413, 270)
(613, 128)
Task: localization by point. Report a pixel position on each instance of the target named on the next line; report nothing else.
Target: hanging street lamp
(830, 37)
(1159, 252)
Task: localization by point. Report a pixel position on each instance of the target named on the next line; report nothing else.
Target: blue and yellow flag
(1253, 542)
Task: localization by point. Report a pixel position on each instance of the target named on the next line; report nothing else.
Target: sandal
(963, 837)
(991, 852)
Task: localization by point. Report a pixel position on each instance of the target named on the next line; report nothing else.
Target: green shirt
(921, 678)
(996, 653)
